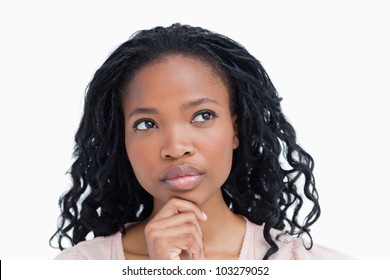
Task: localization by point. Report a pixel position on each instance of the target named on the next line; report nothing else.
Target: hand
(174, 233)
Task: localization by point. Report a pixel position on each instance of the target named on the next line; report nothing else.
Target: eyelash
(147, 122)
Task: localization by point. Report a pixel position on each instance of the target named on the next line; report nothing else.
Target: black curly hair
(271, 174)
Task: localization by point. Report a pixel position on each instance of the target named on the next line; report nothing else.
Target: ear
(236, 141)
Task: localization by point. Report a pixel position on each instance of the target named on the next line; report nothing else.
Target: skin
(177, 114)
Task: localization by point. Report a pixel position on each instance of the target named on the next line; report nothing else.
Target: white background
(329, 60)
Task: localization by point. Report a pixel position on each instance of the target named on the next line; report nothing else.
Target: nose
(176, 143)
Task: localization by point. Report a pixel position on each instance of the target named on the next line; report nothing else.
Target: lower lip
(184, 183)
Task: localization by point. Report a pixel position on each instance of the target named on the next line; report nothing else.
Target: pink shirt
(253, 247)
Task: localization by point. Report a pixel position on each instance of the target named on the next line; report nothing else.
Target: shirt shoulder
(317, 252)
(99, 248)
(290, 248)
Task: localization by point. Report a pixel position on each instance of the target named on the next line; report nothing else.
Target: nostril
(177, 155)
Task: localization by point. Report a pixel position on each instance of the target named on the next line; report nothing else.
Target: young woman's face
(179, 131)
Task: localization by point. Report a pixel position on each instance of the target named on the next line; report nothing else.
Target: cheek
(219, 146)
(139, 154)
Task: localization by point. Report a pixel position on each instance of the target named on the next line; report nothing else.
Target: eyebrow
(197, 102)
(185, 106)
(143, 111)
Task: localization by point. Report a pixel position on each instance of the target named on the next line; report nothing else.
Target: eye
(144, 125)
(203, 116)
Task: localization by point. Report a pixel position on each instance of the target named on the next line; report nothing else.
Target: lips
(182, 177)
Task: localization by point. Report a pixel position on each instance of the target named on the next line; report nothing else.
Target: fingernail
(204, 216)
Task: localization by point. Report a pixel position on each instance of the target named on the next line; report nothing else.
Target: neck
(223, 232)
(218, 215)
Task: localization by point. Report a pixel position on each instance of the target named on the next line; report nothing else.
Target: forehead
(175, 76)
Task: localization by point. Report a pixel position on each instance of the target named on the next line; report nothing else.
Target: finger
(157, 236)
(174, 221)
(190, 246)
(170, 242)
(175, 206)
(186, 255)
